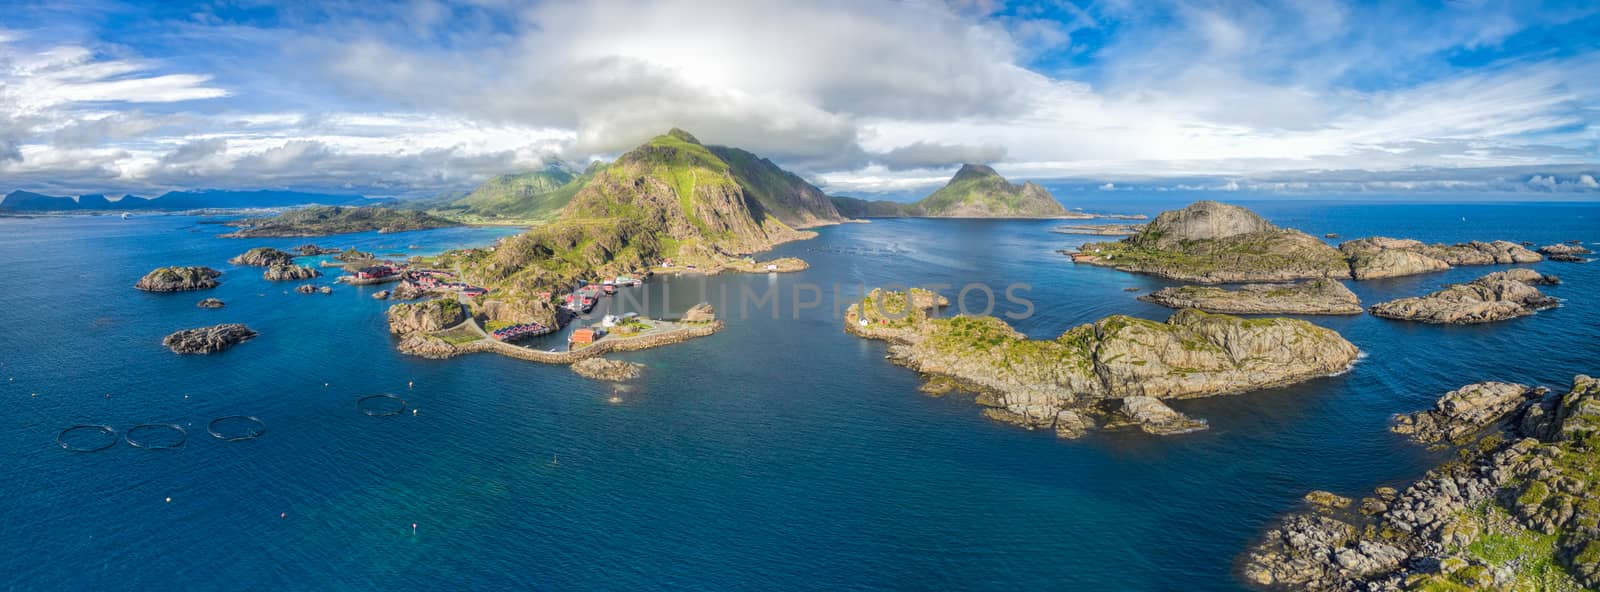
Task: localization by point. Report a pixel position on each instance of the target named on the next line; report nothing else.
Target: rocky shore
(263, 257)
(1517, 512)
(1462, 413)
(1495, 297)
(1085, 378)
(290, 272)
(1383, 257)
(1210, 242)
(1311, 297)
(610, 370)
(205, 340)
(178, 279)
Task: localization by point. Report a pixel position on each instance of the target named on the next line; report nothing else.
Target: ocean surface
(780, 453)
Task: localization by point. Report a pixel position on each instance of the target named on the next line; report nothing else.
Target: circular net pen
(381, 405)
(73, 438)
(156, 436)
(236, 428)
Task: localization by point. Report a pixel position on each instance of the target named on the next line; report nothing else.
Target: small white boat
(126, 215)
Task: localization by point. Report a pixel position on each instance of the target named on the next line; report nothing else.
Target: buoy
(410, 383)
(283, 515)
(169, 500)
(413, 529)
(413, 413)
(324, 385)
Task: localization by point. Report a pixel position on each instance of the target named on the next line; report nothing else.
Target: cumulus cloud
(926, 155)
(865, 95)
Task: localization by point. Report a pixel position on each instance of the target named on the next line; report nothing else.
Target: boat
(126, 215)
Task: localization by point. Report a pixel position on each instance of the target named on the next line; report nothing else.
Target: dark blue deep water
(778, 454)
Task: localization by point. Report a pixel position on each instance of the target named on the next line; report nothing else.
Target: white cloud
(864, 96)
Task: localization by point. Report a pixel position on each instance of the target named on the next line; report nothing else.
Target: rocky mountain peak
(1206, 220)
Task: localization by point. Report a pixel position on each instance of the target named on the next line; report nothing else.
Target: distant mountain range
(27, 201)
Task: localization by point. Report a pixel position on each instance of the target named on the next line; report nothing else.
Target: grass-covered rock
(1091, 371)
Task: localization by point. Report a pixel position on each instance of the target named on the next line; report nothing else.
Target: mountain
(1211, 242)
(670, 198)
(26, 201)
(882, 208)
(263, 198)
(976, 191)
(535, 195)
(780, 192)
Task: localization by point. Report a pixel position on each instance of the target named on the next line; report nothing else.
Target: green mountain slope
(670, 198)
(977, 191)
(780, 192)
(530, 196)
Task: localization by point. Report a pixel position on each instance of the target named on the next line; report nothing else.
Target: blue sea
(778, 454)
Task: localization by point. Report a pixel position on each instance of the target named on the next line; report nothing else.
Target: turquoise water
(777, 454)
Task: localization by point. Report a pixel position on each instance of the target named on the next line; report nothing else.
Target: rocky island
(263, 257)
(205, 340)
(1498, 296)
(1383, 257)
(178, 279)
(1310, 297)
(1113, 373)
(1211, 242)
(325, 220)
(1566, 252)
(210, 303)
(671, 204)
(1516, 512)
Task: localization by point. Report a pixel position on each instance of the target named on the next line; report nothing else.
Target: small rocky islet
(1498, 296)
(211, 303)
(290, 272)
(1566, 252)
(1113, 373)
(179, 279)
(206, 340)
(1517, 511)
(608, 370)
(263, 257)
(1311, 297)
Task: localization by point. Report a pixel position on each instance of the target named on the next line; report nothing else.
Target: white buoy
(169, 500)
(413, 529)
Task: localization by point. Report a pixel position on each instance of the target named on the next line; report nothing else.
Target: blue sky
(423, 96)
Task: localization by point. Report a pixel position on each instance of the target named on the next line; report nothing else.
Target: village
(416, 282)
